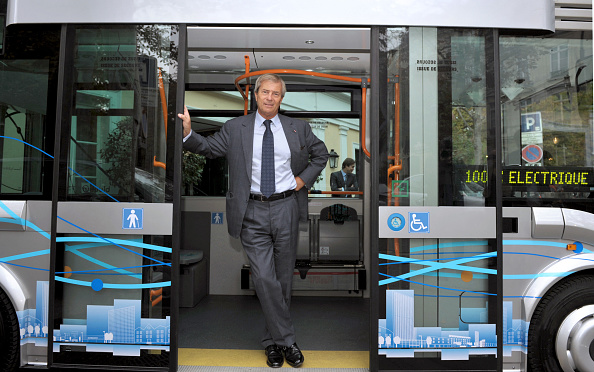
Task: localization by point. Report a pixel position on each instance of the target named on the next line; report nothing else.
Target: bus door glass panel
(113, 271)
(3, 5)
(546, 90)
(27, 101)
(2, 26)
(437, 295)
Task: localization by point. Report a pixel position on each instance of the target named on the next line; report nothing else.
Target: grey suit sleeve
(214, 146)
(318, 155)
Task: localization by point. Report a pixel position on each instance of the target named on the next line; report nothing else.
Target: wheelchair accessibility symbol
(418, 222)
(396, 222)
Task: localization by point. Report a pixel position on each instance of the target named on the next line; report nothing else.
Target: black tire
(561, 302)
(9, 335)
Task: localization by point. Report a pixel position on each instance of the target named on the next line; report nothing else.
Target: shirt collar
(260, 120)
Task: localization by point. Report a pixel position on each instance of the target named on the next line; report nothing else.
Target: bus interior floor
(236, 322)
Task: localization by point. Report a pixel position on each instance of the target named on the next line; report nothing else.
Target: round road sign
(532, 153)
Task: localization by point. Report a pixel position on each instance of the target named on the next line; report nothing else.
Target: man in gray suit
(273, 160)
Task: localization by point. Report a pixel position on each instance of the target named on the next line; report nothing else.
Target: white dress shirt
(283, 175)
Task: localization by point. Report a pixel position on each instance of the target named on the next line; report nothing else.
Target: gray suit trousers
(269, 235)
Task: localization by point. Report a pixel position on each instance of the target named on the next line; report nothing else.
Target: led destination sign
(547, 178)
(557, 178)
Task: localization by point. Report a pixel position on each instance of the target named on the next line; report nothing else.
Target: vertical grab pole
(157, 163)
(247, 86)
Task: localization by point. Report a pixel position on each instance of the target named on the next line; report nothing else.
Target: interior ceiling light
(309, 41)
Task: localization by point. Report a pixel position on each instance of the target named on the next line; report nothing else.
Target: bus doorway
(114, 226)
(434, 312)
(326, 72)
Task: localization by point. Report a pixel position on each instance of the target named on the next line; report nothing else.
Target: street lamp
(333, 158)
(555, 142)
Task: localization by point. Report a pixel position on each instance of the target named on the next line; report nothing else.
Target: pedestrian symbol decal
(216, 218)
(133, 218)
(418, 222)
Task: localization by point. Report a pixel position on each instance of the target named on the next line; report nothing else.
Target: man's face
(269, 98)
(349, 169)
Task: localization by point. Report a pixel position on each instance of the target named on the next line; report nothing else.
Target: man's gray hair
(271, 77)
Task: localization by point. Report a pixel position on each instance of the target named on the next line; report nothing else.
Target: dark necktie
(267, 182)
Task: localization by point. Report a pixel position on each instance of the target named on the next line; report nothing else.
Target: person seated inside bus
(344, 179)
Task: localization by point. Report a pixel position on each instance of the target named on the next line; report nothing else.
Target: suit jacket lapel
(247, 142)
(291, 135)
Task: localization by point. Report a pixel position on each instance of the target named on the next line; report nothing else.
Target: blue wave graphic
(94, 241)
(113, 285)
(434, 265)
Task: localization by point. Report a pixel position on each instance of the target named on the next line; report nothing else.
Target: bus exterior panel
(527, 14)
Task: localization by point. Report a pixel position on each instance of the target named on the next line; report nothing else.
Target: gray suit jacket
(235, 141)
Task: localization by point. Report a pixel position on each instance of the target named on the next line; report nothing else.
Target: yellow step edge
(256, 358)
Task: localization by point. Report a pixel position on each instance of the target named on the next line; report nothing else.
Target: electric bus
(470, 237)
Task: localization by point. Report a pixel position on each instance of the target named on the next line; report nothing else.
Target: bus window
(27, 110)
(22, 120)
(2, 25)
(3, 4)
(120, 103)
(547, 122)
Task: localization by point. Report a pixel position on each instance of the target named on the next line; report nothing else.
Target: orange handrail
(158, 296)
(157, 163)
(249, 74)
(364, 122)
(164, 109)
(163, 100)
(294, 72)
(397, 167)
(245, 101)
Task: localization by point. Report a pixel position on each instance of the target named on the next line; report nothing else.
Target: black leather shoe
(274, 356)
(293, 355)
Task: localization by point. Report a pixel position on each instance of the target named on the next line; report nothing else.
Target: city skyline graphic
(117, 329)
(399, 338)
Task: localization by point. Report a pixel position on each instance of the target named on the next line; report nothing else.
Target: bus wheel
(9, 335)
(561, 333)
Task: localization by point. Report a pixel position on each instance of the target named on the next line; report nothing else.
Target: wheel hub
(574, 344)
